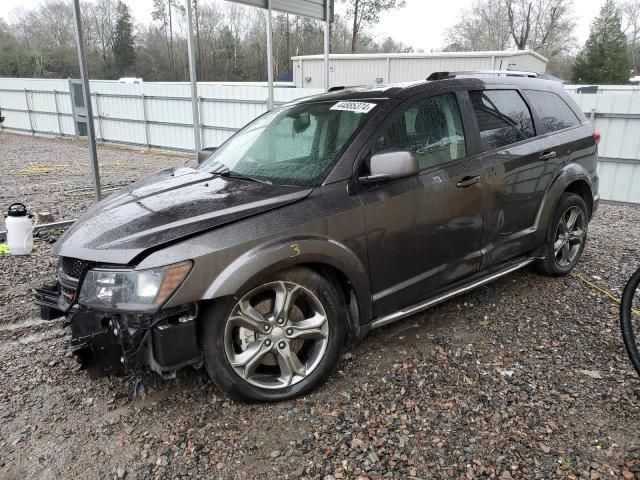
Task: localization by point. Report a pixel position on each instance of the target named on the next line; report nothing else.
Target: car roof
(407, 89)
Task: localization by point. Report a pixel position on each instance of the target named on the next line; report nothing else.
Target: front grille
(72, 267)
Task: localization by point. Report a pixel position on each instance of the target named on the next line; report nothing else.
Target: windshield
(294, 145)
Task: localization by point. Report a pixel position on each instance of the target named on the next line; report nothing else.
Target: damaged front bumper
(111, 343)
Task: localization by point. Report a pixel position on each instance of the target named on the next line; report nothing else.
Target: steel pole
(327, 45)
(86, 94)
(194, 81)
(269, 57)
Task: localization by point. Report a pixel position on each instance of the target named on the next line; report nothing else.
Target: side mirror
(390, 165)
(204, 153)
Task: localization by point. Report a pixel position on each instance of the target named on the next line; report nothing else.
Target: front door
(424, 232)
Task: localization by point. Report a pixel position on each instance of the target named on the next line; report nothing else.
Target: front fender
(257, 263)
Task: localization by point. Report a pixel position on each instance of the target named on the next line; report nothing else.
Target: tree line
(231, 39)
(610, 55)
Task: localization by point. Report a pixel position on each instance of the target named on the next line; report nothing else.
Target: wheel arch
(583, 189)
(572, 178)
(327, 257)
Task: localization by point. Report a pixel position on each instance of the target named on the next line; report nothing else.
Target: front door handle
(548, 155)
(468, 181)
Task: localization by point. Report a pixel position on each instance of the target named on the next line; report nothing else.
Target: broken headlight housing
(132, 290)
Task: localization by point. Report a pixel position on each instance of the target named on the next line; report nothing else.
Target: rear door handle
(468, 181)
(547, 155)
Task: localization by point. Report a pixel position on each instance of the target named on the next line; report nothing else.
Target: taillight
(596, 136)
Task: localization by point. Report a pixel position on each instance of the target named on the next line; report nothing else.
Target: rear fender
(565, 177)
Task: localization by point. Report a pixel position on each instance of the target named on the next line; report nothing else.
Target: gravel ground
(524, 378)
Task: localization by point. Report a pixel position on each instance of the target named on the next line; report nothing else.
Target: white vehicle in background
(129, 80)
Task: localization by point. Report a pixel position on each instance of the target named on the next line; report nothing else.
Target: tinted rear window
(503, 117)
(553, 111)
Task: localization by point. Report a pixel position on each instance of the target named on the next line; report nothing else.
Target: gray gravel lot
(523, 378)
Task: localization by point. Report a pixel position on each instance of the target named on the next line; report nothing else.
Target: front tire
(275, 340)
(566, 236)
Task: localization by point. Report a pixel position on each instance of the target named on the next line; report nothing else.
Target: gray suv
(322, 220)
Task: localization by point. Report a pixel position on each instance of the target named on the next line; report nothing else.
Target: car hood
(165, 207)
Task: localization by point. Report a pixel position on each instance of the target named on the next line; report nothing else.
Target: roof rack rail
(471, 73)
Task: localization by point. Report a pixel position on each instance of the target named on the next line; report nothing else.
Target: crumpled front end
(113, 342)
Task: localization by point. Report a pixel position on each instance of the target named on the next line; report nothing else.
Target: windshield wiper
(221, 169)
(230, 174)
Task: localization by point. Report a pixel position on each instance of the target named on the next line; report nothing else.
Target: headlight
(130, 290)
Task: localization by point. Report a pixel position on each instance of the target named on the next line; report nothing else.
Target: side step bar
(407, 312)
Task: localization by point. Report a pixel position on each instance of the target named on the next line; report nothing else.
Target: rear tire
(275, 340)
(566, 236)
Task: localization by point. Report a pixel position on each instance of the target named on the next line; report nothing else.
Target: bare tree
(480, 27)
(231, 47)
(630, 10)
(519, 22)
(367, 12)
(543, 25)
(102, 20)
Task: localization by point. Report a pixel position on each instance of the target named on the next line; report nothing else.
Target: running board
(399, 315)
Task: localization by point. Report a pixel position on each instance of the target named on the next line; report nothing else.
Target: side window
(552, 110)
(431, 128)
(503, 117)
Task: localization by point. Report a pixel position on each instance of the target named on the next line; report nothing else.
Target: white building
(367, 69)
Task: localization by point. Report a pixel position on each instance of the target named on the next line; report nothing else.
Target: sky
(421, 24)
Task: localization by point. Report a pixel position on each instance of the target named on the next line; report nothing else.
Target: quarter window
(503, 117)
(553, 111)
(431, 128)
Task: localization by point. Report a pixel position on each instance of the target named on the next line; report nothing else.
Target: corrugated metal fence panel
(39, 96)
(620, 181)
(607, 88)
(617, 116)
(35, 84)
(157, 114)
(618, 119)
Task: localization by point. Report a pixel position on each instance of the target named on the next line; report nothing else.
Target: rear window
(553, 111)
(503, 117)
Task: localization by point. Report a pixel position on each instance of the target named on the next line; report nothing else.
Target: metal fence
(158, 115)
(152, 115)
(617, 115)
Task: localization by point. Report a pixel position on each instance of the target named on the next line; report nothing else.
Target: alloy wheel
(569, 237)
(276, 335)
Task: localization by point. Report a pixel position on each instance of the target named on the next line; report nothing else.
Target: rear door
(521, 167)
(424, 232)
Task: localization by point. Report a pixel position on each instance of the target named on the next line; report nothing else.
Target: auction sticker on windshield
(359, 107)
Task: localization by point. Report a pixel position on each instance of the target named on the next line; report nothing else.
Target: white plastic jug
(19, 230)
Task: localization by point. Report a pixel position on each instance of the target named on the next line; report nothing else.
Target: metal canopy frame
(318, 9)
(86, 93)
(305, 8)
